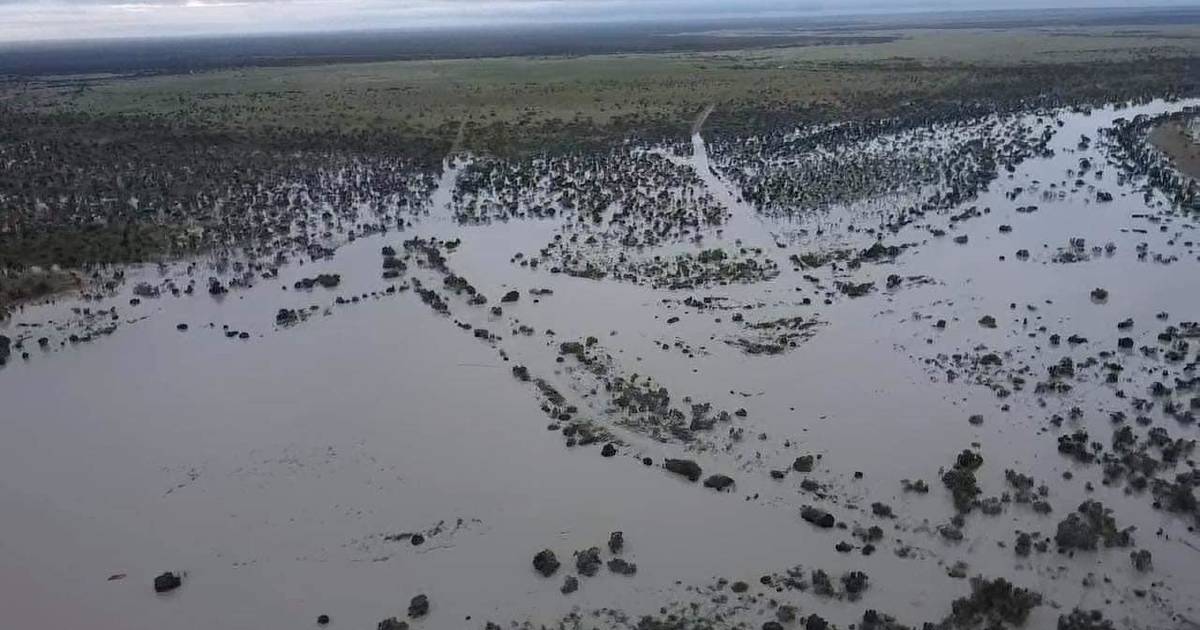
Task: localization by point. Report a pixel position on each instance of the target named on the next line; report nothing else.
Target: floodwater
(271, 470)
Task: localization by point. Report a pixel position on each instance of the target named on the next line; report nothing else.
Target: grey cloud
(54, 19)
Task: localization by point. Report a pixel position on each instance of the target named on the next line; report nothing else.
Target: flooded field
(827, 377)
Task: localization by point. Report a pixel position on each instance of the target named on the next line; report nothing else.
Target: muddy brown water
(270, 470)
(1181, 144)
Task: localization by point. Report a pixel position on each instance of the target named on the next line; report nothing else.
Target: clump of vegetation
(1089, 526)
(1084, 620)
(992, 604)
(960, 480)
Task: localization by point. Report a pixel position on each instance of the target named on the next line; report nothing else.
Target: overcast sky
(22, 20)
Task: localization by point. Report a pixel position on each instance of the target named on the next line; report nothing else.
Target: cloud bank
(29, 20)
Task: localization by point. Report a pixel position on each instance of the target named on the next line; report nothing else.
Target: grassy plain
(511, 100)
